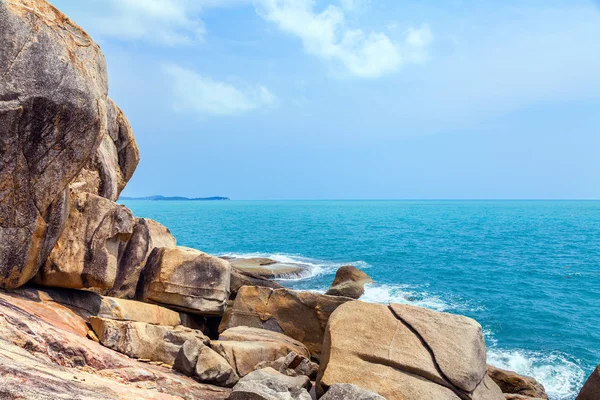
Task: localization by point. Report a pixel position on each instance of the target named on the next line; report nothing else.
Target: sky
(356, 99)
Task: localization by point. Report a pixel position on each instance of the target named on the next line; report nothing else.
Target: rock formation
(345, 391)
(268, 384)
(591, 388)
(350, 282)
(513, 383)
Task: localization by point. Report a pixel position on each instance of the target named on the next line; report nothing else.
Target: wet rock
(513, 383)
(403, 351)
(186, 279)
(267, 268)
(268, 384)
(299, 315)
(349, 282)
(87, 252)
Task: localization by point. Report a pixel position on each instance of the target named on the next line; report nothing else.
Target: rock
(511, 396)
(186, 279)
(147, 235)
(346, 391)
(86, 254)
(142, 340)
(292, 365)
(268, 384)
(349, 282)
(591, 388)
(115, 161)
(187, 357)
(408, 352)
(54, 113)
(511, 382)
(240, 278)
(299, 315)
(267, 268)
(213, 368)
(244, 348)
(44, 354)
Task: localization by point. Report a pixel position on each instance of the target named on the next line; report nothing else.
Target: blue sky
(352, 99)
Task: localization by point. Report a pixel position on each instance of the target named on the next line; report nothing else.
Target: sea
(527, 271)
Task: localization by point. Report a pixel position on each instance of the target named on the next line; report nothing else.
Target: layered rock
(405, 352)
(591, 388)
(186, 279)
(299, 315)
(244, 348)
(350, 282)
(268, 384)
(87, 252)
(146, 236)
(268, 268)
(240, 278)
(142, 340)
(54, 112)
(513, 383)
(200, 361)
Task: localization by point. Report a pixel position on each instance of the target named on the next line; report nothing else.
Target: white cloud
(325, 34)
(203, 95)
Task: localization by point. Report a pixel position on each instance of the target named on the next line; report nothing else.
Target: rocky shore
(98, 304)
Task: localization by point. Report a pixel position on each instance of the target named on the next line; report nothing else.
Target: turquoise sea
(528, 271)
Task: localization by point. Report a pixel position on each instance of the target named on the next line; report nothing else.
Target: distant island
(171, 198)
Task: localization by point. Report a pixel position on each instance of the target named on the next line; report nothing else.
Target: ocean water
(527, 271)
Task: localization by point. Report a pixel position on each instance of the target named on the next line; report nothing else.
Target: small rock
(346, 391)
(292, 365)
(513, 383)
(268, 384)
(214, 369)
(187, 357)
(349, 282)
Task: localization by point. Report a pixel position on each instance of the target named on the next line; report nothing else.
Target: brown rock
(187, 357)
(142, 340)
(512, 396)
(54, 112)
(240, 278)
(186, 279)
(591, 388)
(511, 382)
(345, 391)
(86, 254)
(267, 268)
(299, 315)
(292, 365)
(268, 384)
(405, 352)
(147, 235)
(349, 282)
(244, 348)
(214, 369)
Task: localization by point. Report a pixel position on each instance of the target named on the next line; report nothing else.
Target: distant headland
(171, 198)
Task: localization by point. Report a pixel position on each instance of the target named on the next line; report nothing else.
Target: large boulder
(186, 279)
(268, 384)
(200, 361)
(240, 278)
(349, 281)
(87, 253)
(268, 268)
(408, 352)
(115, 161)
(346, 391)
(591, 388)
(147, 235)
(513, 383)
(299, 315)
(54, 112)
(244, 348)
(144, 341)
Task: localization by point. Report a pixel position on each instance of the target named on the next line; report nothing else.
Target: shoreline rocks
(349, 282)
(268, 268)
(512, 383)
(591, 387)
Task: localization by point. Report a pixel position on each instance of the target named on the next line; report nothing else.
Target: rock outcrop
(346, 391)
(268, 384)
(200, 361)
(299, 315)
(147, 235)
(240, 278)
(403, 351)
(292, 365)
(244, 348)
(513, 383)
(186, 279)
(591, 388)
(87, 253)
(267, 268)
(350, 282)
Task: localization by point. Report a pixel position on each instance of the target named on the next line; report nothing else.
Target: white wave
(561, 376)
(403, 294)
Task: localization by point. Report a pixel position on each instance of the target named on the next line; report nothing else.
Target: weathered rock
(349, 282)
(292, 365)
(186, 279)
(45, 355)
(86, 254)
(591, 388)
(299, 315)
(147, 235)
(268, 384)
(511, 382)
(115, 161)
(267, 268)
(214, 369)
(512, 396)
(405, 352)
(244, 347)
(346, 391)
(142, 340)
(187, 357)
(54, 112)
(240, 278)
